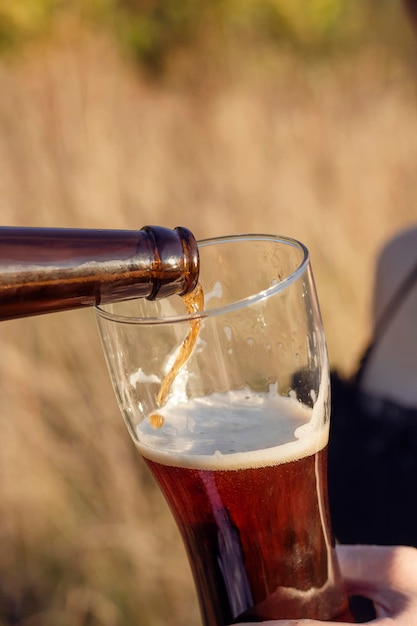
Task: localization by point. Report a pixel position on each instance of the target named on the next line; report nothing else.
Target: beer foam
(233, 430)
(140, 377)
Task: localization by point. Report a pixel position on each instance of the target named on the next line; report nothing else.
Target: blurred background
(269, 116)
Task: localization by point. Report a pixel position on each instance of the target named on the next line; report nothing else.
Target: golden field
(323, 151)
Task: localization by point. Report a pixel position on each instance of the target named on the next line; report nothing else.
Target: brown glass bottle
(43, 270)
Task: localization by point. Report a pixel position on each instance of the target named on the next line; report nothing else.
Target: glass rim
(224, 308)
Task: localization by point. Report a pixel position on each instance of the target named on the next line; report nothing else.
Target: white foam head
(233, 430)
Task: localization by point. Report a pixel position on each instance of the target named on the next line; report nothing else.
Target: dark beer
(245, 477)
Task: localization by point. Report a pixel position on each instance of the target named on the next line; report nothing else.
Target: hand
(385, 575)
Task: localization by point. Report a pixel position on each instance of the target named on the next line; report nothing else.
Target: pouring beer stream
(194, 302)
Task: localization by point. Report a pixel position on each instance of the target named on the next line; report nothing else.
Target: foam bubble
(140, 377)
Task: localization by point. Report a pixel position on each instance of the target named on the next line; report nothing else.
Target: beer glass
(237, 441)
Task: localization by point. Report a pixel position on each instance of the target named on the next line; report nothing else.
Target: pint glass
(238, 444)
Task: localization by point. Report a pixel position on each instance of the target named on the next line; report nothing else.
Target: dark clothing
(372, 468)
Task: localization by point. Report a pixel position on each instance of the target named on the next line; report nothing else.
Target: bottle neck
(44, 270)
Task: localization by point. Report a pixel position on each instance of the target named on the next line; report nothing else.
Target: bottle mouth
(192, 259)
(176, 262)
(113, 312)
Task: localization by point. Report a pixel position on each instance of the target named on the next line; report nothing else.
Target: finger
(384, 574)
(296, 622)
(312, 622)
(378, 565)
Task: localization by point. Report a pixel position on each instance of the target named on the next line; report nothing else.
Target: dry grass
(326, 153)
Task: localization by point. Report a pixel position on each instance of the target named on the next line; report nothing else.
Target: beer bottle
(43, 270)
